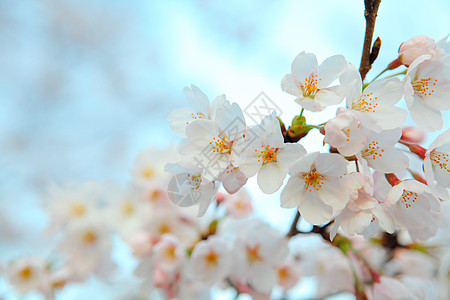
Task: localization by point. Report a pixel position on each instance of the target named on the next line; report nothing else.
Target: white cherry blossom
(344, 133)
(375, 105)
(26, 274)
(414, 208)
(200, 109)
(436, 165)
(310, 82)
(380, 154)
(239, 205)
(168, 253)
(268, 155)
(316, 187)
(210, 260)
(427, 90)
(415, 47)
(363, 213)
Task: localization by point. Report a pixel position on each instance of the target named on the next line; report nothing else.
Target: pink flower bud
(412, 135)
(415, 47)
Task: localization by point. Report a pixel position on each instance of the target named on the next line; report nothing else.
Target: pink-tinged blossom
(344, 133)
(149, 165)
(189, 188)
(412, 135)
(168, 253)
(239, 205)
(375, 105)
(436, 165)
(311, 83)
(390, 288)
(414, 208)
(232, 179)
(380, 154)
(267, 154)
(200, 109)
(415, 47)
(210, 143)
(363, 213)
(26, 274)
(288, 273)
(427, 90)
(316, 187)
(258, 250)
(210, 260)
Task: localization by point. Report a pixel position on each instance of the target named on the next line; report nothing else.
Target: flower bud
(412, 135)
(415, 47)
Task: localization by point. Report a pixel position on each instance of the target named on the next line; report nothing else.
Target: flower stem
(370, 13)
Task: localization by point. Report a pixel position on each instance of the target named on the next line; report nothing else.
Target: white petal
(304, 65)
(270, 177)
(426, 117)
(333, 193)
(330, 69)
(197, 99)
(289, 85)
(331, 164)
(293, 193)
(314, 211)
(303, 165)
(289, 154)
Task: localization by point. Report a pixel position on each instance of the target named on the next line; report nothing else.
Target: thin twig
(370, 13)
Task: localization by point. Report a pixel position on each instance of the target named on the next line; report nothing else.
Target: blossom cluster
(372, 199)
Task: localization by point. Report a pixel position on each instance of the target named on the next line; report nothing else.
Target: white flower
(390, 288)
(427, 90)
(288, 273)
(316, 187)
(232, 179)
(374, 106)
(26, 274)
(239, 205)
(363, 214)
(258, 250)
(268, 155)
(415, 47)
(200, 109)
(210, 260)
(210, 143)
(437, 165)
(343, 132)
(414, 208)
(380, 154)
(168, 253)
(149, 165)
(188, 188)
(310, 83)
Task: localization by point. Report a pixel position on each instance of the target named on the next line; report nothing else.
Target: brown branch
(293, 231)
(370, 13)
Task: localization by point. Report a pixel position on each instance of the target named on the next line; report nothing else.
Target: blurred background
(86, 85)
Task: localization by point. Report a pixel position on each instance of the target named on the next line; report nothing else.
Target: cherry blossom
(239, 205)
(379, 152)
(268, 155)
(26, 274)
(374, 106)
(344, 133)
(415, 47)
(168, 253)
(436, 165)
(414, 208)
(427, 89)
(200, 109)
(310, 82)
(316, 187)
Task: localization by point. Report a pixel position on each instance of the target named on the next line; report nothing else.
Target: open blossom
(316, 187)
(380, 154)
(436, 165)
(26, 274)
(232, 179)
(363, 213)
(414, 208)
(390, 288)
(427, 90)
(210, 143)
(210, 260)
(168, 253)
(415, 47)
(200, 109)
(259, 249)
(344, 133)
(310, 82)
(268, 155)
(288, 273)
(239, 205)
(374, 106)
(187, 188)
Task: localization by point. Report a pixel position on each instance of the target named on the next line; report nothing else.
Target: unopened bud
(412, 135)
(299, 129)
(394, 64)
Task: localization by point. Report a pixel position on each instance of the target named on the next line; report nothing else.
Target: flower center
(422, 86)
(408, 198)
(196, 116)
(89, 237)
(372, 150)
(78, 210)
(148, 173)
(127, 208)
(440, 160)
(253, 254)
(170, 252)
(26, 273)
(267, 154)
(211, 258)
(194, 181)
(220, 144)
(310, 86)
(313, 180)
(365, 103)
